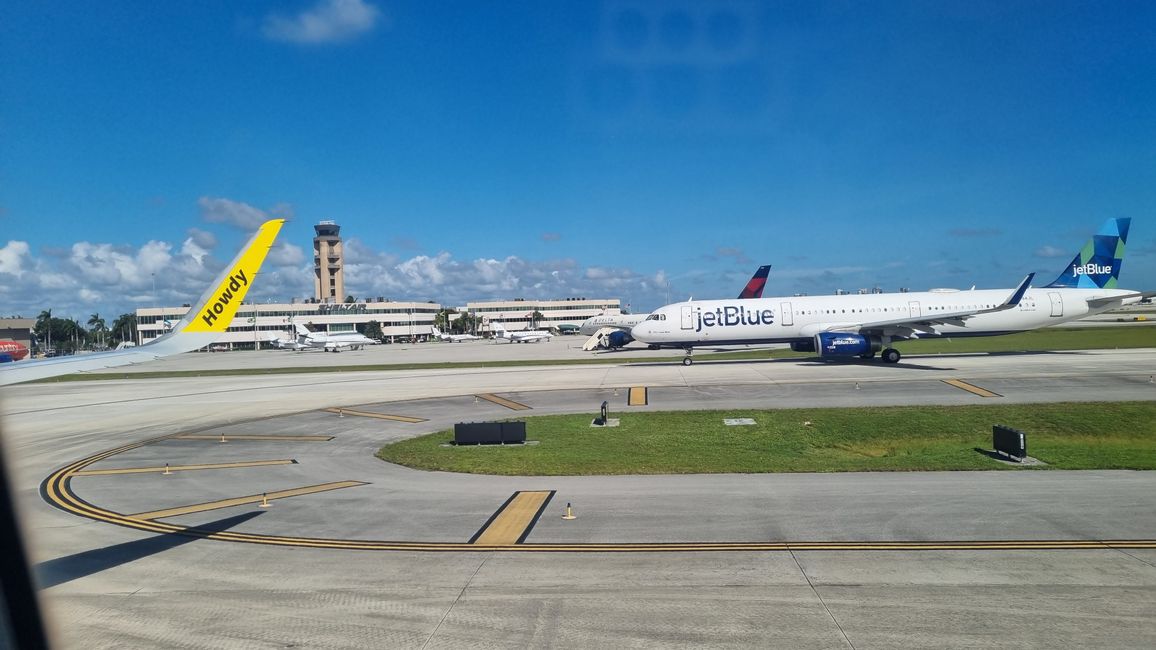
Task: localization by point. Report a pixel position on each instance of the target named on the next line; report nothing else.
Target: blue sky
(643, 150)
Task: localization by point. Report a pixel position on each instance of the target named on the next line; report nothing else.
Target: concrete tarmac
(112, 586)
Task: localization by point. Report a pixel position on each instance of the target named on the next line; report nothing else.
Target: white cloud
(204, 239)
(235, 213)
(329, 21)
(110, 265)
(1051, 251)
(193, 250)
(89, 277)
(285, 254)
(14, 258)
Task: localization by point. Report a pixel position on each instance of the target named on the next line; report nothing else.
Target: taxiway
(113, 585)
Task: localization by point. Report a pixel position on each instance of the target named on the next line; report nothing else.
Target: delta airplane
(202, 325)
(863, 325)
(12, 351)
(520, 336)
(335, 342)
(454, 338)
(612, 331)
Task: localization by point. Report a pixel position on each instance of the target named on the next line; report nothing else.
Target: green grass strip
(1120, 435)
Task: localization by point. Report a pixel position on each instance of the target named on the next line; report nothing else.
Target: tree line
(68, 335)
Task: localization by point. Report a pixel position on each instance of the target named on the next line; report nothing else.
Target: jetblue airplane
(613, 331)
(863, 325)
(203, 324)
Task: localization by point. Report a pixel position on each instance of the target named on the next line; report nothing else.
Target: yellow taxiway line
(637, 396)
(502, 401)
(514, 520)
(963, 385)
(380, 416)
(182, 468)
(57, 491)
(240, 501)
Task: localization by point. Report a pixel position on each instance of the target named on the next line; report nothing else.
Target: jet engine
(617, 339)
(840, 344)
(803, 346)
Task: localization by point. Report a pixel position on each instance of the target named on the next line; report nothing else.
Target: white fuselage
(788, 319)
(336, 341)
(624, 322)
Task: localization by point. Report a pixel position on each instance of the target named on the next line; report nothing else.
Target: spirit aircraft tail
(1097, 265)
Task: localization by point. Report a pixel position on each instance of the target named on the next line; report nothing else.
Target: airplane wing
(1096, 303)
(203, 324)
(925, 323)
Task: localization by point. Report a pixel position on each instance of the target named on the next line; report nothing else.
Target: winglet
(216, 308)
(1018, 295)
(202, 325)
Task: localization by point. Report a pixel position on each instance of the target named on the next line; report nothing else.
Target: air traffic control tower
(328, 263)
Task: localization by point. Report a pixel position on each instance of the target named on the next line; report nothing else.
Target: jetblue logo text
(1091, 269)
(730, 316)
(236, 281)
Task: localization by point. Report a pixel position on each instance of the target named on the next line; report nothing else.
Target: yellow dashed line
(637, 396)
(181, 468)
(240, 501)
(191, 436)
(57, 491)
(502, 401)
(963, 385)
(512, 522)
(380, 416)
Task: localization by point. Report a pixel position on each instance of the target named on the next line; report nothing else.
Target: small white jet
(520, 336)
(863, 325)
(454, 338)
(289, 344)
(335, 342)
(204, 323)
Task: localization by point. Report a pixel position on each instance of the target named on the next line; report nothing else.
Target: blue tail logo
(1097, 265)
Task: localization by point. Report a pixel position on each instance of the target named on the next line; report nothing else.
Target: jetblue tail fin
(1097, 265)
(754, 288)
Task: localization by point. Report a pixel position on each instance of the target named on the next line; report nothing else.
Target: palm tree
(124, 328)
(442, 319)
(44, 327)
(96, 327)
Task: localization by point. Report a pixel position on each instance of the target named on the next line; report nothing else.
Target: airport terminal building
(262, 323)
(518, 314)
(258, 325)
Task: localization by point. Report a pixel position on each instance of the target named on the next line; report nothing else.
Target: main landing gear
(890, 354)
